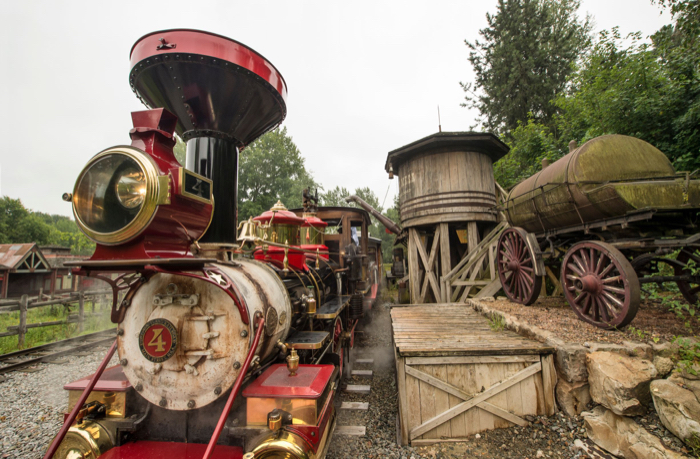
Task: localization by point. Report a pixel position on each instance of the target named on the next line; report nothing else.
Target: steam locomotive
(205, 308)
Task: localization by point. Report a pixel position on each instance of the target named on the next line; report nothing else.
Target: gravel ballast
(32, 404)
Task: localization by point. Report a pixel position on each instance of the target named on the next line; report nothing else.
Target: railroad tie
(364, 406)
(357, 389)
(362, 373)
(357, 431)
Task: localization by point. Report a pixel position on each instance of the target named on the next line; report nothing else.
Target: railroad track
(48, 353)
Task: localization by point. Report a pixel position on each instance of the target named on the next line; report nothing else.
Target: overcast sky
(364, 78)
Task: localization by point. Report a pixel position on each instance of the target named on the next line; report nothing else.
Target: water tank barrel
(581, 187)
(447, 177)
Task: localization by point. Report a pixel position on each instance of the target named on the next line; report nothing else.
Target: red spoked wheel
(689, 289)
(600, 284)
(516, 267)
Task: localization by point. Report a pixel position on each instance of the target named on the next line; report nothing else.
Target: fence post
(81, 312)
(22, 321)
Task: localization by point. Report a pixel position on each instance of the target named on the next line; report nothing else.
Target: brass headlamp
(117, 195)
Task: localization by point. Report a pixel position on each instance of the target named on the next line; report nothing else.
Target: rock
(620, 383)
(623, 437)
(571, 362)
(572, 397)
(678, 408)
(663, 365)
(641, 350)
(669, 350)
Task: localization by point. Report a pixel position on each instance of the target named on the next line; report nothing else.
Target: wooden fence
(25, 303)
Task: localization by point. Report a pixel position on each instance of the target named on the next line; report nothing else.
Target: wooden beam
(445, 259)
(413, 266)
(466, 360)
(501, 413)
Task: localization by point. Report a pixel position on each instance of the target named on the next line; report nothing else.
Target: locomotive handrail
(236, 387)
(79, 404)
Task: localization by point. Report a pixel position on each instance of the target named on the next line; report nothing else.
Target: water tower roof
(481, 142)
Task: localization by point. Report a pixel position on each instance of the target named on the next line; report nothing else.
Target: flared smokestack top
(211, 83)
(224, 94)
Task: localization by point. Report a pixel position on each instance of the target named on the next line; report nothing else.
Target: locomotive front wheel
(516, 267)
(600, 284)
(689, 289)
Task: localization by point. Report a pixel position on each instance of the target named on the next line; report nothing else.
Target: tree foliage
(524, 59)
(19, 226)
(271, 168)
(530, 143)
(623, 86)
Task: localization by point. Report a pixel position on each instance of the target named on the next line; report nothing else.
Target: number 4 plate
(158, 340)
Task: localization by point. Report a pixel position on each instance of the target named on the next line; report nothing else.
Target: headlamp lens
(131, 188)
(110, 193)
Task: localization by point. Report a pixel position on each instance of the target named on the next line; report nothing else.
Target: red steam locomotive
(231, 344)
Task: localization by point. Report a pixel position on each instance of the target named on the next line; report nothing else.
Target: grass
(44, 335)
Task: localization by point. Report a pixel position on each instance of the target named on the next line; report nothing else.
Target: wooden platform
(457, 376)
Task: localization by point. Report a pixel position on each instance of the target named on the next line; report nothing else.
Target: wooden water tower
(447, 196)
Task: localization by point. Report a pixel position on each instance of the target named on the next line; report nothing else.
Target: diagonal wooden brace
(470, 401)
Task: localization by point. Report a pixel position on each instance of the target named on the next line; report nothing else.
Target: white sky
(364, 78)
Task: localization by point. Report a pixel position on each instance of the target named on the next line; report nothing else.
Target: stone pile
(619, 384)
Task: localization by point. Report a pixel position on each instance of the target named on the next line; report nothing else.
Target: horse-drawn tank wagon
(608, 214)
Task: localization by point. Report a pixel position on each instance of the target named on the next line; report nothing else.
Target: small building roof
(482, 142)
(12, 254)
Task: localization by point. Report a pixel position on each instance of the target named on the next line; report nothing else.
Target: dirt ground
(654, 322)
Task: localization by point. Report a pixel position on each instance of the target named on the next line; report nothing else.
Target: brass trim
(211, 219)
(287, 443)
(163, 190)
(181, 187)
(88, 439)
(308, 340)
(150, 202)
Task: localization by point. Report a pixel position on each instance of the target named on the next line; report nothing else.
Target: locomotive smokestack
(224, 94)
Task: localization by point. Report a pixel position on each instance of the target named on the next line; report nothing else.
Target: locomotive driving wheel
(338, 347)
(600, 284)
(516, 267)
(689, 289)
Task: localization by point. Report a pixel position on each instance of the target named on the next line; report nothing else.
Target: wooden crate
(456, 376)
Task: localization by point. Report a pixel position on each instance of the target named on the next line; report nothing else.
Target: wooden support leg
(472, 235)
(413, 267)
(445, 259)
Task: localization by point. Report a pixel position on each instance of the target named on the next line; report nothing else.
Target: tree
(648, 91)
(524, 59)
(530, 143)
(19, 225)
(270, 169)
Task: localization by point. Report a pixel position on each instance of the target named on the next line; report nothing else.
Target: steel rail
(53, 355)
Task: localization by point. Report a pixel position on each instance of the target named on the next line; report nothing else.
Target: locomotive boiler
(608, 214)
(205, 314)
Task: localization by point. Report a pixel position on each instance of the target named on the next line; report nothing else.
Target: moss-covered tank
(606, 177)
